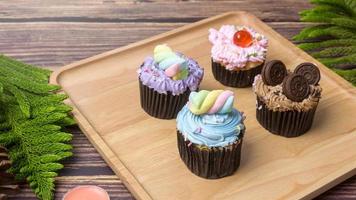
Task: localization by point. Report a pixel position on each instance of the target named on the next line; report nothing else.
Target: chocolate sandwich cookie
(296, 87)
(274, 72)
(310, 72)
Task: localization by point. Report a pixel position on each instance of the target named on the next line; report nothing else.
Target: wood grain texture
(57, 44)
(55, 33)
(298, 168)
(144, 11)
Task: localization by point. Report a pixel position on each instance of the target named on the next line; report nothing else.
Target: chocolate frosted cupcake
(286, 101)
(166, 80)
(210, 132)
(237, 55)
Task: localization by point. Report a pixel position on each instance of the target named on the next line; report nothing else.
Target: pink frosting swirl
(232, 56)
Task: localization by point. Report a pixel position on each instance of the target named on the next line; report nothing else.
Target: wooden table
(53, 33)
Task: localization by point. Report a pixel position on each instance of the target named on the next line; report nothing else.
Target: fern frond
(324, 8)
(61, 108)
(346, 5)
(51, 99)
(5, 126)
(304, 34)
(338, 3)
(67, 121)
(349, 75)
(335, 52)
(49, 158)
(349, 59)
(21, 99)
(327, 43)
(56, 137)
(37, 88)
(29, 70)
(344, 22)
(42, 185)
(334, 31)
(338, 33)
(10, 71)
(7, 139)
(25, 67)
(316, 16)
(31, 125)
(345, 66)
(351, 6)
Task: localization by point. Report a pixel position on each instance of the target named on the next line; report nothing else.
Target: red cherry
(242, 38)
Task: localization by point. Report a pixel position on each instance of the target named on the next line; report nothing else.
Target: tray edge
(141, 193)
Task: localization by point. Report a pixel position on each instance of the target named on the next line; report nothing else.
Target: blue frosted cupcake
(210, 132)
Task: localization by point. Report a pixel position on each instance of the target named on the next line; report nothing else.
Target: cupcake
(165, 82)
(210, 132)
(287, 101)
(237, 55)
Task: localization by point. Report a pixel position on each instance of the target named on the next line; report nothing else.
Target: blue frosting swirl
(212, 130)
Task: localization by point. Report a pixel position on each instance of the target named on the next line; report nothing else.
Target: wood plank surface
(54, 33)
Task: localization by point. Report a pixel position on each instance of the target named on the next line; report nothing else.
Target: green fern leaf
(67, 121)
(335, 52)
(349, 75)
(335, 3)
(313, 16)
(324, 8)
(334, 31)
(31, 125)
(342, 4)
(351, 6)
(27, 69)
(304, 34)
(349, 59)
(33, 87)
(327, 43)
(338, 35)
(21, 99)
(344, 22)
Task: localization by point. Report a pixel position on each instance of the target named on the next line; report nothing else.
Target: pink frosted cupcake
(237, 54)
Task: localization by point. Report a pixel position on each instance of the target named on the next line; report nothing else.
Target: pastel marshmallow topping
(211, 102)
(172, 64)
(209, 119)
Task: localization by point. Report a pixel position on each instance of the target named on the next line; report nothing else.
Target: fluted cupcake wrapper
(162, 106)
(287, 123)
(239, 79)
(210, 162)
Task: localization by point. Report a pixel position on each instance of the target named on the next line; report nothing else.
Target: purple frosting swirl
(155, 78)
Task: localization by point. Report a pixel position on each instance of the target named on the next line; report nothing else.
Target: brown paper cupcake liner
(287, 123)
(162, 106)
(210, 163)
(239, 79)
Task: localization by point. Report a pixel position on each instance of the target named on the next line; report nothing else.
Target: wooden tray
(142, 150)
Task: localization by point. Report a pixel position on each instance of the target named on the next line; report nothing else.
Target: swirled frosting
(275, 100)
(211, 130)
(154, 74)
(234, 57)
(206, 102)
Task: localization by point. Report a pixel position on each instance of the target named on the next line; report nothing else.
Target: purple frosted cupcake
(165, 82)
(237, 55)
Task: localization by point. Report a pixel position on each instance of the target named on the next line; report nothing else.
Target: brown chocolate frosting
(275, 100)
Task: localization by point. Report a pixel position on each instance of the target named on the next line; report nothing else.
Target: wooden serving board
(142, 150)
